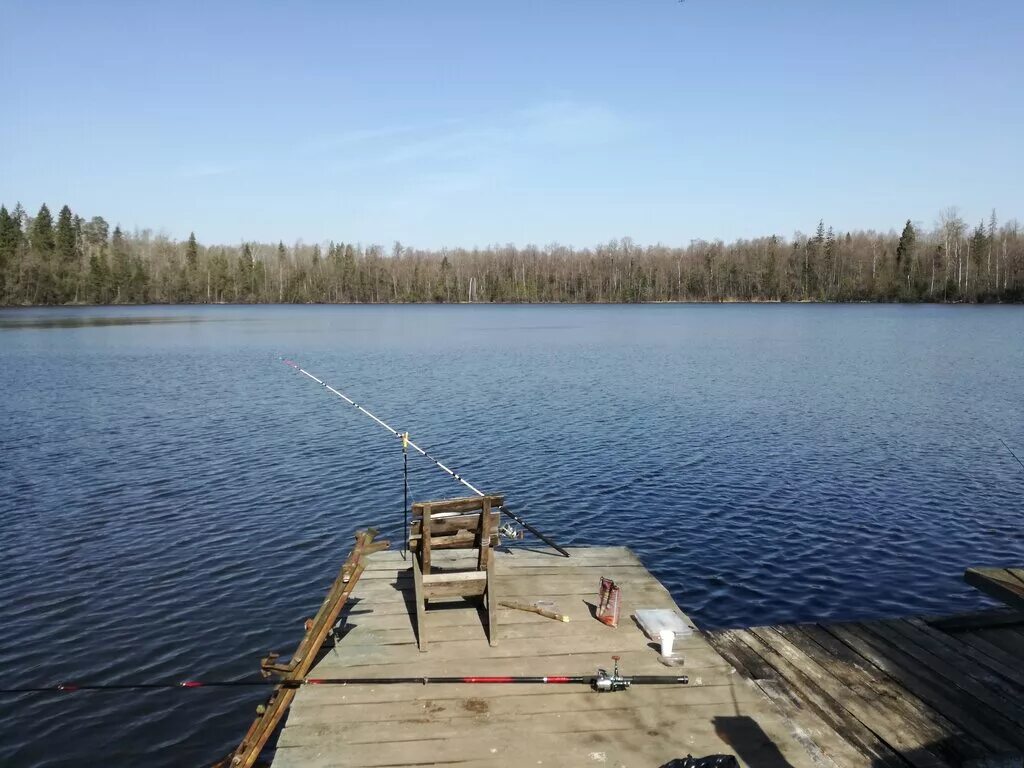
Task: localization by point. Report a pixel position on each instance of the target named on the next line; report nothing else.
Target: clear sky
(461, 123)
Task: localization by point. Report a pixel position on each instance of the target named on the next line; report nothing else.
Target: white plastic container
(667, 638)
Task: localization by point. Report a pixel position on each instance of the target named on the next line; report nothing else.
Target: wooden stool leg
(492, 604)
(421, 613)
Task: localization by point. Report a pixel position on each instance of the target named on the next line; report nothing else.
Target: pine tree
(66, 242)
(905, 255)
(40, 281)
(120, 267)
(978, 249)
(192, 252)
(10, 237)
(99, 278)
(41, 236)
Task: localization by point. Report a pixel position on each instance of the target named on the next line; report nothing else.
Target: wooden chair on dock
(465, 523)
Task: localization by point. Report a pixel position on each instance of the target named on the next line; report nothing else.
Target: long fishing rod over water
(602, 682)
(406, 442)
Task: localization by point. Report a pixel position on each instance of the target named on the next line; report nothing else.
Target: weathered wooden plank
(987, 649)
(924, 684)
(516, 557)
(460, 540)
(1003, 584)
(1012, 672)
(807, 723)
(912, 739)
(809, 694)
(522, 583)
(458, 505)
(447, 525)
(996, 617)
(640, 737)
(439, 578)
(973, 680)
(873, 685)
(461, 649)
(1010, 640)
(434, 723)
(454, 589)
(534, 628)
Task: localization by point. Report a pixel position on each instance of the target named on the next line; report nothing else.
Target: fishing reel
(605, 683)
(511, 532)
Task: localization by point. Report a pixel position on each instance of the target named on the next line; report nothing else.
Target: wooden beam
(463, 504)
(1003, 584)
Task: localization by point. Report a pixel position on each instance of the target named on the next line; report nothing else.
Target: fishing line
(1011, 452)
(407, 442)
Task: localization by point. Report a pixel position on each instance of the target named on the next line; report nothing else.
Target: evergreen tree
(978, 248)
(192, 253)
(99, 278)
(40, 282)
(905, 257)
(120, 267)
(41, 236)
(282, 259)
(67, 257)
(10, 237)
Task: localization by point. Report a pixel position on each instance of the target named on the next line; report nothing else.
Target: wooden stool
(466, 523)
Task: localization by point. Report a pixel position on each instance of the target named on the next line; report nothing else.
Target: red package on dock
(609, 602)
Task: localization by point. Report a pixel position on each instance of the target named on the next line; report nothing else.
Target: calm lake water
(175, 501)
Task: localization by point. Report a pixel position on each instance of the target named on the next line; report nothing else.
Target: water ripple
(175, 501)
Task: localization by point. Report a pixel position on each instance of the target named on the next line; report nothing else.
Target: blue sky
(464, 123)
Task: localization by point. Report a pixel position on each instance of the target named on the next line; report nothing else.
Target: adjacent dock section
(908, 692)
(719, 712)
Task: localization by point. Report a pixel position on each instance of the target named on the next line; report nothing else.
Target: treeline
(74, 260)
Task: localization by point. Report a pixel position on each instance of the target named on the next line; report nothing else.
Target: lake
(175, 501)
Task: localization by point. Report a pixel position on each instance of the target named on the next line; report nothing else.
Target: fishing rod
(404, 436)
(1011, 452)
(602, 682)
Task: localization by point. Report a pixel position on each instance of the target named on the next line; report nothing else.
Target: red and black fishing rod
(602, 682)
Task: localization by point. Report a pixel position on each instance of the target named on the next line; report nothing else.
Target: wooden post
(425, 538)
(421, 602)
(484, 534)
(492, 603)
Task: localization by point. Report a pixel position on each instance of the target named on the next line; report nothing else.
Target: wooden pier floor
(909, 692)
(527, 725)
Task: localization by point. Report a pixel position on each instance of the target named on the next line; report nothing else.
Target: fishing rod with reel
(407, 443)
(601, 682)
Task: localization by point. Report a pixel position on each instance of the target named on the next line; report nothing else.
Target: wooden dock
(526, 725)
(917, 693)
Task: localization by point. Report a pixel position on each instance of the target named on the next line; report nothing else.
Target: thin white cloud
(202, 171)
(548, 124)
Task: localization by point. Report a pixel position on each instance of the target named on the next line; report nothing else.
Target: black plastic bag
(711, 761)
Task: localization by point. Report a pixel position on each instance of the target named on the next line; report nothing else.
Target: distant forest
(74, 260)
